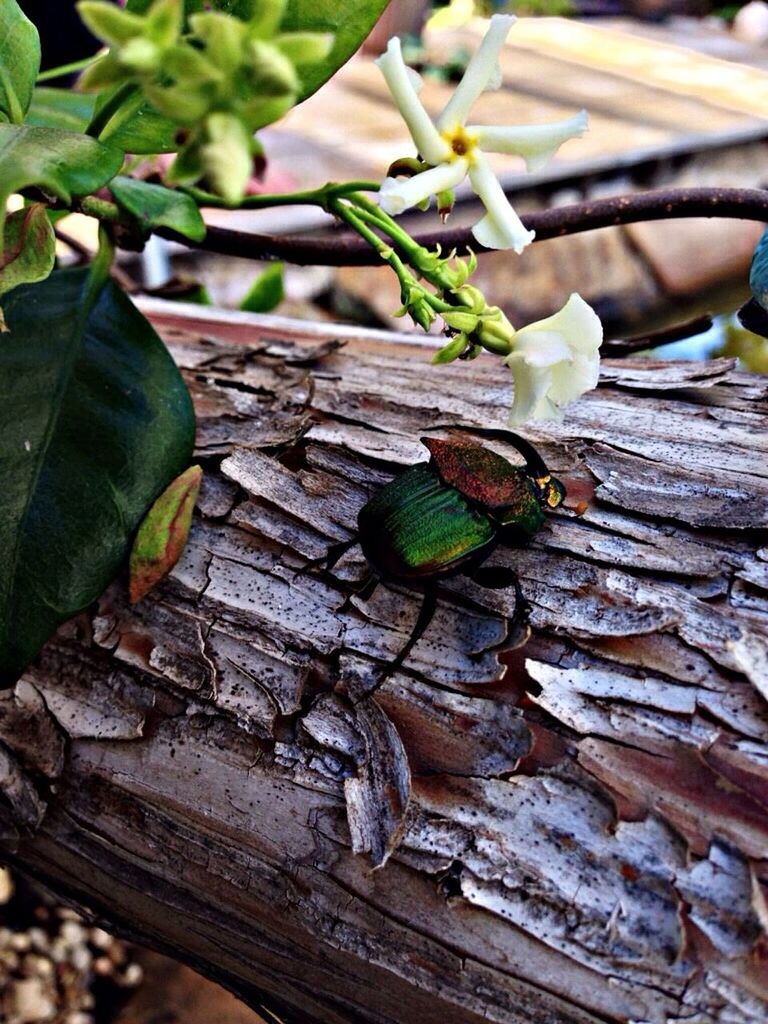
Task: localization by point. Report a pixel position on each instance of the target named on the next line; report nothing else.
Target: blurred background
(677, 92)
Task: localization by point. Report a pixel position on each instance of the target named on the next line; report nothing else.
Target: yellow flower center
(461, 142)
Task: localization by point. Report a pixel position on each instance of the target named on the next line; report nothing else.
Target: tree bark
(564, 827)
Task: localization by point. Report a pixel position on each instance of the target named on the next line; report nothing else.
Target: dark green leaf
(61, 163)
(156, 206)
(350, 20)
(60, 108)
(29, 247)
(94, 422)
(266, 292)
(137, 127)
(19, 60)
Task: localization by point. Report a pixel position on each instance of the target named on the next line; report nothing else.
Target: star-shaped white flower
(554, 361)
(454, 149)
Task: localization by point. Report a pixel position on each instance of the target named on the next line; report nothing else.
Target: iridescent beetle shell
(445, 516)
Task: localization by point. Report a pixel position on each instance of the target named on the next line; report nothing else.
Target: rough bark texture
(573, 831)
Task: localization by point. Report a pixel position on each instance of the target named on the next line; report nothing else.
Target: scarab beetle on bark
(444, 517)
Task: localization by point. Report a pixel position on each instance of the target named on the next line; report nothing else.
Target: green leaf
(349, 20)
(156, 206)
(29, 247)
(60, 108)
(94, 422)
(266, 292)
(163, 533)
(19, 60)
(138, 128)
(61, 163)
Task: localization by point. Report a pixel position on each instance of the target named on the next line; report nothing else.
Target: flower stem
(102, 209)
(311, 197)
(65, 69)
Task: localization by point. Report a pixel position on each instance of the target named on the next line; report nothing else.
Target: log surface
(567, 827)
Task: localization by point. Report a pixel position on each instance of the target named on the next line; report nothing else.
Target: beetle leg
(499, 577)
(364, 591)
(426, 612)
(327, 561)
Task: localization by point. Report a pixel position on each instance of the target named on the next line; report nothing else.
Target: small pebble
(39, 939)
(81, 959)
(134, 975)
(99, 938)
(102, 966)
(31, 1001)
(73, 933)
(46, 973)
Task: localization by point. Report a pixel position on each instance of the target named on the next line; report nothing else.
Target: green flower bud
(265, 18)
(305, 47)
(272, 74)
(471, 297)
(224, 39)
(105, 72)
(163, 22)
(462, 320)
(453, 350)
(186, 65)
(184, 104)
(422, 314)
(261, 110)
(226, 156)
(110, 24)
(417, 307)
(496, 335)
(445, 201)
(140, 55)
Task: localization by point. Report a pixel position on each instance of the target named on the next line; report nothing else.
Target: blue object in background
(758, 271)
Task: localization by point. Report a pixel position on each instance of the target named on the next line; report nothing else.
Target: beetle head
(549, 491)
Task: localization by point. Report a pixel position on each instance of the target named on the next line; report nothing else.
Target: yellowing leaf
(163, 533)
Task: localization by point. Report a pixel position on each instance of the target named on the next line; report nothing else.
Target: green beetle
(444, 517)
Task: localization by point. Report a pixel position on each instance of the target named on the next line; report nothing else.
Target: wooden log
(570, 826)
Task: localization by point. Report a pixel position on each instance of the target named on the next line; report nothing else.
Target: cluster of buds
(552, 361)
(217, 76)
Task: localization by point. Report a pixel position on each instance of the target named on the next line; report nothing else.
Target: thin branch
(348, 250)
(616, 348)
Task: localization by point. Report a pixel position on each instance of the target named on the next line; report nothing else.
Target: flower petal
(501, 228)
(572, 379)
(396, 195)
(577, 322)
(429, 143)
(481, 72)
(536, 143)
(531, 386)
(542, 348)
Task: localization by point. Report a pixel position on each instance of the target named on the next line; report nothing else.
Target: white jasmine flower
(454, 149)
(555, 360)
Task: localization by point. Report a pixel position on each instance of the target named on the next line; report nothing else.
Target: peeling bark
(570, 826)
